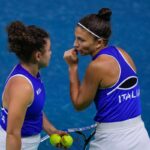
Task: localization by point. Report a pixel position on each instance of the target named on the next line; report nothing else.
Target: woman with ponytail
(111, 82)
(22, 117)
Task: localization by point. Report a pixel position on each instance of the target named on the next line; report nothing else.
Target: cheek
(47, 57)
(86, 46)
(48, 54)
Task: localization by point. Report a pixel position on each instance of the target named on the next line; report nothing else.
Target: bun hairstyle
(105, 14)
(98, 24)
(24, 40)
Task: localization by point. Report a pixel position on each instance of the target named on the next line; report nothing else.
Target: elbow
(78, 106)
(13, 133)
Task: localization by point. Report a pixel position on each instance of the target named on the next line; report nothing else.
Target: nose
(50, 52)
(76, 44)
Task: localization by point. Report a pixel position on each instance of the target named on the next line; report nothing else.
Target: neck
(98, 50)
(31, 68)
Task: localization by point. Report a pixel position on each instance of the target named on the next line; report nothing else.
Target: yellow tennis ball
(55, 139)
(67, 141)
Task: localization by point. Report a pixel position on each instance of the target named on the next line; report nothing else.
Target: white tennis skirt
(28, 143)
(125, 135)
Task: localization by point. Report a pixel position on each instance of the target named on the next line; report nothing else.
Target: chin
(44, 65)
(84, 54)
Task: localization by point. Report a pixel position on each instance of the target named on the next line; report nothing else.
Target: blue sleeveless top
(121, 101)
(33, 119)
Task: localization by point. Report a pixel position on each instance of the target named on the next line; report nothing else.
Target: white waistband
(122, 124)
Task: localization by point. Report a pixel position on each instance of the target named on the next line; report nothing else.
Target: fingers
(62, 133)
(71, 57)
(76, 51)
(71, 52)
(60, 146)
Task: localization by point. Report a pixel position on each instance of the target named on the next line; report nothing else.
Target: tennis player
(110, 81)
(22, 117)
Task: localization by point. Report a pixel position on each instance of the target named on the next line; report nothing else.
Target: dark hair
(24, 40)
(99, 23)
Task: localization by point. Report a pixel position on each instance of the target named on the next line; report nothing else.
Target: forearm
(74, 84)
(13, 142)
(47, 126)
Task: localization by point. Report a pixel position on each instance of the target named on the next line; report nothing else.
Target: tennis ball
(55, 139)
(67, 141)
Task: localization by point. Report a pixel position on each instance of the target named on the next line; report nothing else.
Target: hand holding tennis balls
(67, 141)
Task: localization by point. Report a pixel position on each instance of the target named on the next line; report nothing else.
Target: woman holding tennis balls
(65, 140)
(22, 117)
(111, 82)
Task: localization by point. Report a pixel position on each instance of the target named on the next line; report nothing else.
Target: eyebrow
(80, 38)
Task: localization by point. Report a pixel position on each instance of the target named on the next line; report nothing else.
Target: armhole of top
(126, 60)
(119, 72)
(20, 75)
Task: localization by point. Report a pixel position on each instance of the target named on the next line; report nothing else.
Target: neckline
(37, 76)
(99, 52)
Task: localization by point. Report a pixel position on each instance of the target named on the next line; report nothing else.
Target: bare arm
(49, 128)
(19, 96)
(81, 94)
(74, 82)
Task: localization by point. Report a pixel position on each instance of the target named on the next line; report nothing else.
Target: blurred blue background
(130, 27)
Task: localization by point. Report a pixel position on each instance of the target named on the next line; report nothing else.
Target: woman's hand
(70, 57)
(61, 133)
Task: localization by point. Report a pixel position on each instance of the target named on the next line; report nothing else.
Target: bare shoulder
(98, 65)
(18, 88)
(128, 57)
(123, 52)
(99, 62)
(19, 82)
(103, 63)
(101, 68)
(107, 70)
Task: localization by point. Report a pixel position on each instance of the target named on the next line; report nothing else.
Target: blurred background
(130, 30)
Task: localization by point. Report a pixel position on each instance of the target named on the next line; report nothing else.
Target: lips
(79, 51)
